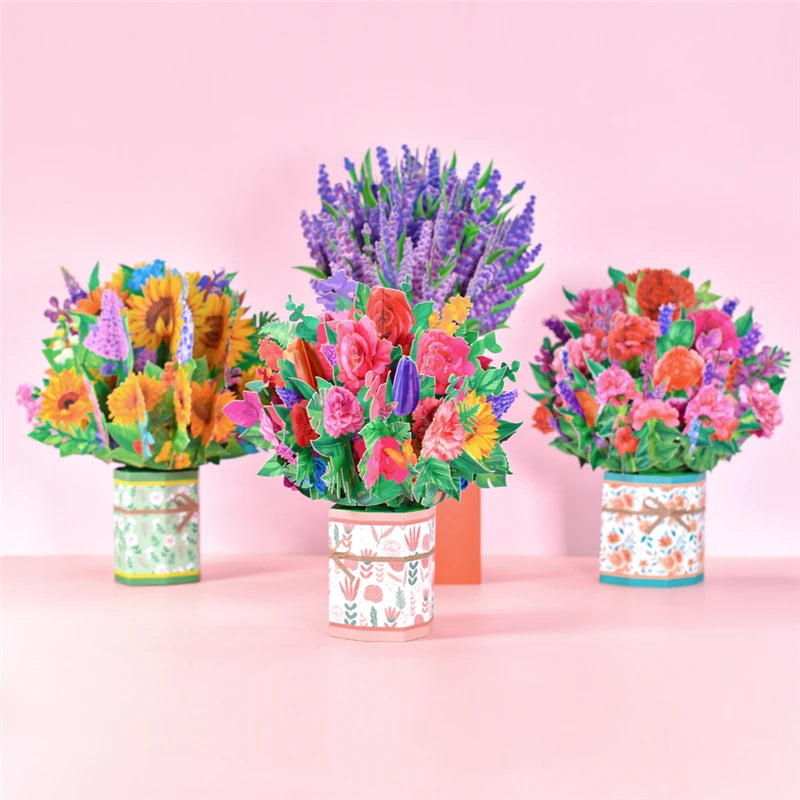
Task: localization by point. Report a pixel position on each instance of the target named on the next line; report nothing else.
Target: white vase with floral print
(156, 527)
(380, 573)
(653, 529)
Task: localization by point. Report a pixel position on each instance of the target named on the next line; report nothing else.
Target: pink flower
(441, 356)
(359, 351)
(445, 436)
(386, 459)
(716, 408)
(765, 404)
(342, 413)
(373, 593)
(616, 385)
(423, 414)
(594, 308)
(708, 320)
(25, 399)
(248, 412)
(644, 410)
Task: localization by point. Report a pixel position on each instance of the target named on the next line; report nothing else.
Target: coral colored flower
(711, 319)
(309, 364)
(441, 355)
(388, 460)
(616, 385)
(625, 441)
(620, 558)
(423, 414)
(680, 368)
(612, 538)
(543, 419)
(657, 287)
(588, 405)
(765, 404)
(373, 593)
(392, 315)
(270, 353)
(631, 336)
(301, 424)
(578, 350)
(595, 308)
(445, 436)
(342, 413)
(359, 350)
(644, 410)
(715, 407)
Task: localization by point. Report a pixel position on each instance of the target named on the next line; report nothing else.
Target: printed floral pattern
(373, 594)
(156, 528)
(651, 530)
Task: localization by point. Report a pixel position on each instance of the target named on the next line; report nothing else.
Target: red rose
(301, 424)
(392, 315)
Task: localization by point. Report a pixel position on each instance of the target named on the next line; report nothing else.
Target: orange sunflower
(218, 327)
(182, 397)
(137, 394)
(92, 302)
(481, 427)
(65, 401)
(154, 316)
(208, 421)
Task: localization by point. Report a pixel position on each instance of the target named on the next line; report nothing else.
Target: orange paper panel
(458, 538)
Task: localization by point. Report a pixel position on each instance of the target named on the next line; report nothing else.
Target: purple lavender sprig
(665, 313)
(558, 328)
(569, 396)
(419, 221)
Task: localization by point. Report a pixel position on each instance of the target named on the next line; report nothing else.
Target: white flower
(169, 542)
(131, 540)
(190, 566)
(185, 537)
(156, 497)
(149, 552)
(161, 569)
(64, 356)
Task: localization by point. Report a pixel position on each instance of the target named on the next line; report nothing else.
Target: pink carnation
(445, 436)
(441, 356)
(359, 351)
(342, 413)
(615, 384)
(423, 414)
(578, 350)
(594, 308)
(765, 404)
(644, 410)
(26, 400)
(715, 407)
(386, 459)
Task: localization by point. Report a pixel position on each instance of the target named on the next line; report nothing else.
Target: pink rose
(342, 413)
(441, 356)
(359, 351)
(765, 404)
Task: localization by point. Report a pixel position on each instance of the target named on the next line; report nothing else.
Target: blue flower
(140, 276)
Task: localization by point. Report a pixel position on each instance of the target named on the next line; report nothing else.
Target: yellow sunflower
(217, 327)
(65, 401)
(208, 421)
(481, 426)
(137, 394)
(180, 461)
(155, 314)
(182, 398)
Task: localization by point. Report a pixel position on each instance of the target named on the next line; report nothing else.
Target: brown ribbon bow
(183, 505)
(339, 557)
(651, 507)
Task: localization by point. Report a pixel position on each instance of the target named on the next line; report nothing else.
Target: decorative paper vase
(458, 538)
(380, 573)
(156, 527)
(653, 529)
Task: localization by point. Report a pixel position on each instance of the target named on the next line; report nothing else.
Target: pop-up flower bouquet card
(383, 409)
(449, 236)
(139, 370)
(654, 381)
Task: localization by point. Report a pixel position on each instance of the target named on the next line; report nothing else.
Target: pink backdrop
(652, 135)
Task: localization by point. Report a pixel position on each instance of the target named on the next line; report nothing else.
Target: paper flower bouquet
(140, 368)
(383, 409)
(419, 221)
(654, 381)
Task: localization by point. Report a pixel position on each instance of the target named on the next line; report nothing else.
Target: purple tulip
(405, 388)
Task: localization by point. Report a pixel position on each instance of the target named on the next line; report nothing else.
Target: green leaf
(484, 179)
(94, 279)
(528, 276)
(617, 276)
(271, 468)
(744, 324)
(314, 272)
(542, 378)
(569, 295)
(594, 368)
(685, 273)
(573, 328)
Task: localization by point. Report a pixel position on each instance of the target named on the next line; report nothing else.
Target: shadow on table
(465, 626)
(534, 570)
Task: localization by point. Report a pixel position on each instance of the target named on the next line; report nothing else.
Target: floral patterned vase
(156, 527)
(653, 529)
(380, 573)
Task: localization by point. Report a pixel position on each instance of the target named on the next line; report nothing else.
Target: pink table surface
(538, 683)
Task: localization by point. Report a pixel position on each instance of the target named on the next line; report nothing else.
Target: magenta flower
(594, 308)
(342, 413)
(712, 319)
(616, 385)
(386, 459)
(107, 337)
(765, 404)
